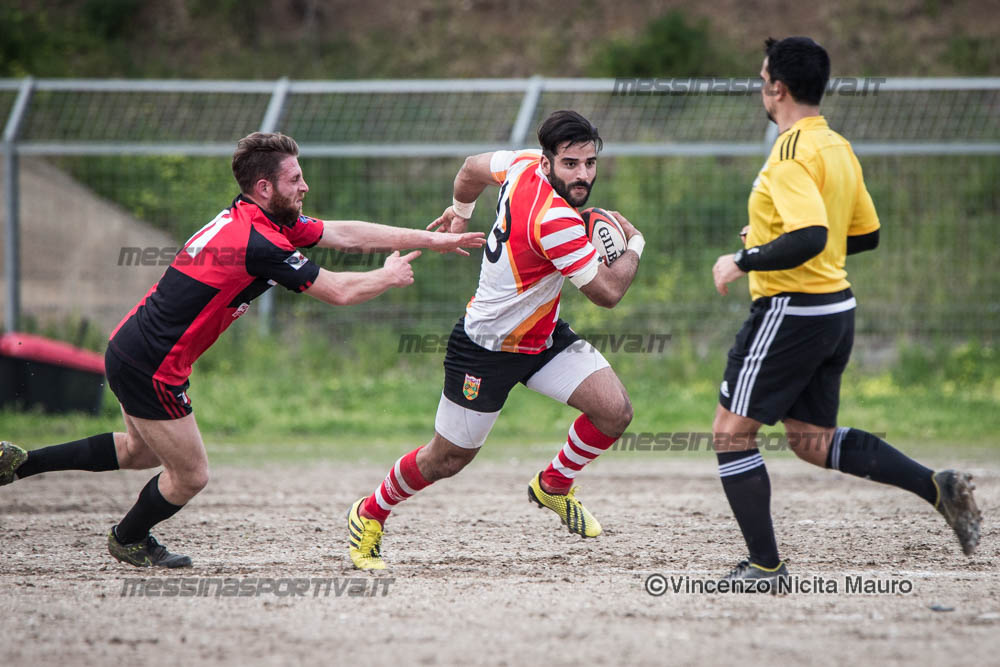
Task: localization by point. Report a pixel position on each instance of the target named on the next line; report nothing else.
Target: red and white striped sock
(584, 444)
(403, 480)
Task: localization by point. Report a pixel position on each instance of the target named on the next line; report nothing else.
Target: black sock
(150, 509)
(96, 453)
(748, 488)
(860, 453)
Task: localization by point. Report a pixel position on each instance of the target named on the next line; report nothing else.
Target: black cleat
(757, 579)
(145, 553)
(958, 507)
(11, 458)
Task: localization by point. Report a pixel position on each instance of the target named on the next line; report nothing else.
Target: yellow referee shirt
(812, 177)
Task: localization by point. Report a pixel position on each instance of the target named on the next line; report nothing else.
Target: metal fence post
(527, 111)
(12, 252)
(272, 115)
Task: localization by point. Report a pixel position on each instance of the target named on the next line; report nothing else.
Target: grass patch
(303, 397)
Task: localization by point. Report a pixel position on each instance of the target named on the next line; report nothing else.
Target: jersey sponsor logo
(471, 387)
(244, 307)
(296, 260)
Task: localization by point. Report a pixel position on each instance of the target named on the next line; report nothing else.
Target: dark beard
(283, 210)
(562, 189)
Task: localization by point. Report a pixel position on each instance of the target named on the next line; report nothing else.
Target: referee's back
(811, 177)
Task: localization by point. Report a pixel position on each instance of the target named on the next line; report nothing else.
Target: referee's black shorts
(788, 358)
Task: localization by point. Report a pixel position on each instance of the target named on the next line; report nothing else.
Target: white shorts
(558, 378)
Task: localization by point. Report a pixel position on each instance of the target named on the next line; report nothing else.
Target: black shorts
(788, 358)
(143, 397)
(480, 379)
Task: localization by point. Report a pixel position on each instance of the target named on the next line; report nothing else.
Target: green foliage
(970, 368)
(109, 19)
(177, 194)
(671, 45)
(972, 56)
(24, 41)
(306, 40)
(690, 210)
(78, 331)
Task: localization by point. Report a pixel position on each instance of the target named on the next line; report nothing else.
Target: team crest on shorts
(471, 387)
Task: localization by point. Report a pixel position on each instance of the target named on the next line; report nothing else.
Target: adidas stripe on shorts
(788, 358)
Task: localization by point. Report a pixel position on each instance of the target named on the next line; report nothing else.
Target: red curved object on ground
(39, 349)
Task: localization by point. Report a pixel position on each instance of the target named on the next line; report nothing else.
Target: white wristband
(636, 244)
(461, 209)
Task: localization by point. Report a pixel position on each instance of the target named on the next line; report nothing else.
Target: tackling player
(511, 331)
(249, 247)
(809, 209)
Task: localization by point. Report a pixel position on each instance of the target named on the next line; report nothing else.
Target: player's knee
(616, 418)
(194, 480)
(627, 414)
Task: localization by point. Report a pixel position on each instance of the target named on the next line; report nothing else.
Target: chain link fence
(679, 159)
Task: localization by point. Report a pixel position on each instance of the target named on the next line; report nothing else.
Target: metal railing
(449, 118)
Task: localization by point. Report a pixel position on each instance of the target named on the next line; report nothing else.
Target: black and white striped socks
(863, 454)
(748, 488)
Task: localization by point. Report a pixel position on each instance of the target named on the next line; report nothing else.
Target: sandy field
(480, 576)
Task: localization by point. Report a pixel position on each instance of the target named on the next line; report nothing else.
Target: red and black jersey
(210, 283)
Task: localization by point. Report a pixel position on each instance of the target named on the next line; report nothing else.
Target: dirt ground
(480, 576)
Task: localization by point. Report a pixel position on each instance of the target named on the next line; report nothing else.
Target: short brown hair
(258, 156)
(566, 126)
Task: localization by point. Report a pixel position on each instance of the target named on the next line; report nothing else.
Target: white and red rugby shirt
(537, 241)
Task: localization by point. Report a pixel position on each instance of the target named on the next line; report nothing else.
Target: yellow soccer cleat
(365, 539)
(572, 512)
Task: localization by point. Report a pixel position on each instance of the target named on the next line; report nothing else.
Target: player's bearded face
(288, 189)
(285, 209)
(572, 173)
(575, 193)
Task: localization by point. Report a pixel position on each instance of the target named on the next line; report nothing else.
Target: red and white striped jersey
(538, 239)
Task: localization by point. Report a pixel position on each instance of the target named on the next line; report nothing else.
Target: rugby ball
(605, 233)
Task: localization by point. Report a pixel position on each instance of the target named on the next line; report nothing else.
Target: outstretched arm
(358, 236)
